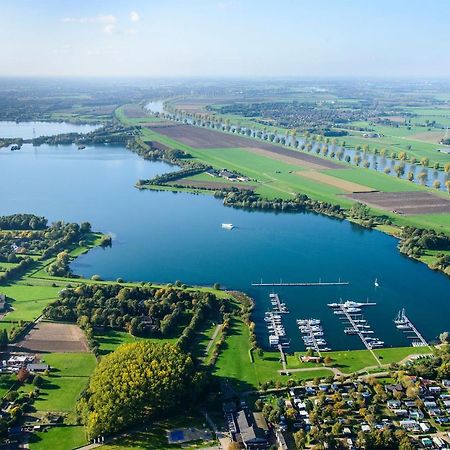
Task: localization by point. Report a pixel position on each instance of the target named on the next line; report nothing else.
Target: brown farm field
(134, 111)
(432, 137)
(347, 186)
(407, 203)
(49, 337)
(202, 138)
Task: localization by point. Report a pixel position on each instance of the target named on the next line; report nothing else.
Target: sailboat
(376, 282)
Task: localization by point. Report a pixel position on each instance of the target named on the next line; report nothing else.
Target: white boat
(228, 226)
(376, 282)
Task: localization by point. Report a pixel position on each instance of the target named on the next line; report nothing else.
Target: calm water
(30, 130)
(162, 236)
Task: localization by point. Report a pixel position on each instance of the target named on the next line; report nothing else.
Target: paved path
(213, 337)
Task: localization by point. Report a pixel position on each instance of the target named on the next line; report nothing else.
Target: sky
(225, 38)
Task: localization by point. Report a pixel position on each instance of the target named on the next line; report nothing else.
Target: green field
(235, 365)
(65, 437)
(28, 301)
(109, 340)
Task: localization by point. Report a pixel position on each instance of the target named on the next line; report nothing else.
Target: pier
(278, 306)
(304, 283)
(403, 323)
(369, 345)
(351, 310)
(312, 332)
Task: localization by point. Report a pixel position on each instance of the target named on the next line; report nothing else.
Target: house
(252, 429)
(392, 388)
(416, 414)
(393, 404)
(227, 175)
(314, 359)
(434, 389)
(430, 405)
(410, 425)
(424, 427)
(365, 428)
(446, 383)
(20, 360)
(401, 412)
(37, 368)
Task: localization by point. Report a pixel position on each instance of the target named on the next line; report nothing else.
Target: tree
(4, 341)
(300, 439)
(234, 446)
(136, 381)
(444, 337)
(357, 160)
(447, 168)
(423, 177)
(410, 176)
(436, 184)
(425, 162)
(399, 170)
(328, 361)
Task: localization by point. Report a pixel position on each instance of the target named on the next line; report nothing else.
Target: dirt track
(409, 203)
(47, 337)
(202, 138)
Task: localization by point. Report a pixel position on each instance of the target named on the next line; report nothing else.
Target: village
(348, 412)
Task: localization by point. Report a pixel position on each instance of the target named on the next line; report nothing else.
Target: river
(165, 236)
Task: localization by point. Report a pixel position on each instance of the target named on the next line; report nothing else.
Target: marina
(355, 323)
(312, 335)
(403, 323)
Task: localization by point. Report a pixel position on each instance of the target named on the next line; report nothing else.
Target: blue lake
(163, 236)
(30, 130)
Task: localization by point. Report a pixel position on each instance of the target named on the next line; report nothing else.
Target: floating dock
(403, 323)
(358, 325)
(304, 283)
(277, 305)
(312, 335)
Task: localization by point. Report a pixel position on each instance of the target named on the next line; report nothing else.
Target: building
(252, 429)
(37, 368)
(2, 302)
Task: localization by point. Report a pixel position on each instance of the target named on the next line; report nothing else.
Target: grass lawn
(109, 340)
(60, 437)
(71, 364)
(28, 301)
(235, 365)
(396, 354)
(373, 179)
(59, 393)
(351, 361)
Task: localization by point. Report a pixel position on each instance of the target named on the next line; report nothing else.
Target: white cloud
(107, 20)
(134, 16)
